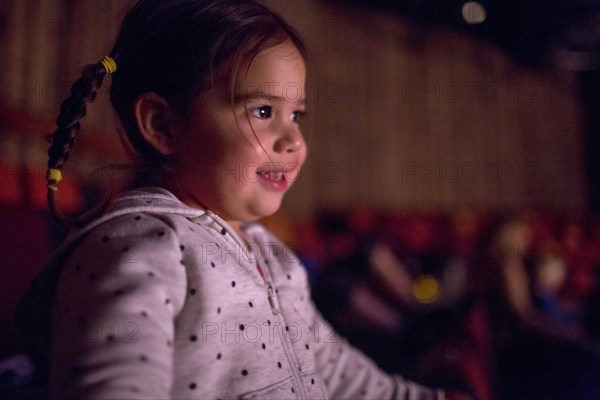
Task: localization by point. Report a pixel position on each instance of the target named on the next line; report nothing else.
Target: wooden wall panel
(445, 121)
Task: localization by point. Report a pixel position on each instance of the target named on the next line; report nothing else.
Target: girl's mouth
(273, 180)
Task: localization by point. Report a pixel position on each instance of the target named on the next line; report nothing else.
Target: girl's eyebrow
(265, 96)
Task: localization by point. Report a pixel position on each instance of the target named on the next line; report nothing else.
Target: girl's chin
(266, 209)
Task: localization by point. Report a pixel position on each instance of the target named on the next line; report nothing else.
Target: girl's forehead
(281, 61)
(275, 70)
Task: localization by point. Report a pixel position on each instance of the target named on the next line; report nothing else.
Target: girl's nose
(290, 141)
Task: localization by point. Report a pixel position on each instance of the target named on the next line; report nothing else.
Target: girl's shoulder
(136, 214)
(131, 213)
(134, 210)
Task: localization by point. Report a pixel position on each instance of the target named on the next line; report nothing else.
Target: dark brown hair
(176, 49)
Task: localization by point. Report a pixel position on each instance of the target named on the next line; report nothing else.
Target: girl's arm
(117, 300)
(348, 373)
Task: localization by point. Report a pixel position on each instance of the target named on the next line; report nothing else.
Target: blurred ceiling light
(473, 12)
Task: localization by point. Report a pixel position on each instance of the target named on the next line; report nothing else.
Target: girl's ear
(157, 122)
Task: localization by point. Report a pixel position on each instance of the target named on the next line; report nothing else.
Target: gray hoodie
(158, 300)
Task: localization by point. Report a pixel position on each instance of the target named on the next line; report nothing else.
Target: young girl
(173, 292)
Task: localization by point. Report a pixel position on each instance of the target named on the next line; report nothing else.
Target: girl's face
(239, 161)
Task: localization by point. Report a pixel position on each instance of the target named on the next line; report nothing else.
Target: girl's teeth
(276, 176)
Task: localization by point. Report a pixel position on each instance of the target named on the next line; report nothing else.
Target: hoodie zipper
(274, 304)
(285, 343)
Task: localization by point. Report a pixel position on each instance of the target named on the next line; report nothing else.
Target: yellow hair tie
(110, 65)
(54, 176)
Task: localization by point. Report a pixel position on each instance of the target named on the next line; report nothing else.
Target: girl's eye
(295, 116)
(262, 112)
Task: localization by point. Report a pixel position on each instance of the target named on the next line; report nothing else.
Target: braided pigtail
(83, 91)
